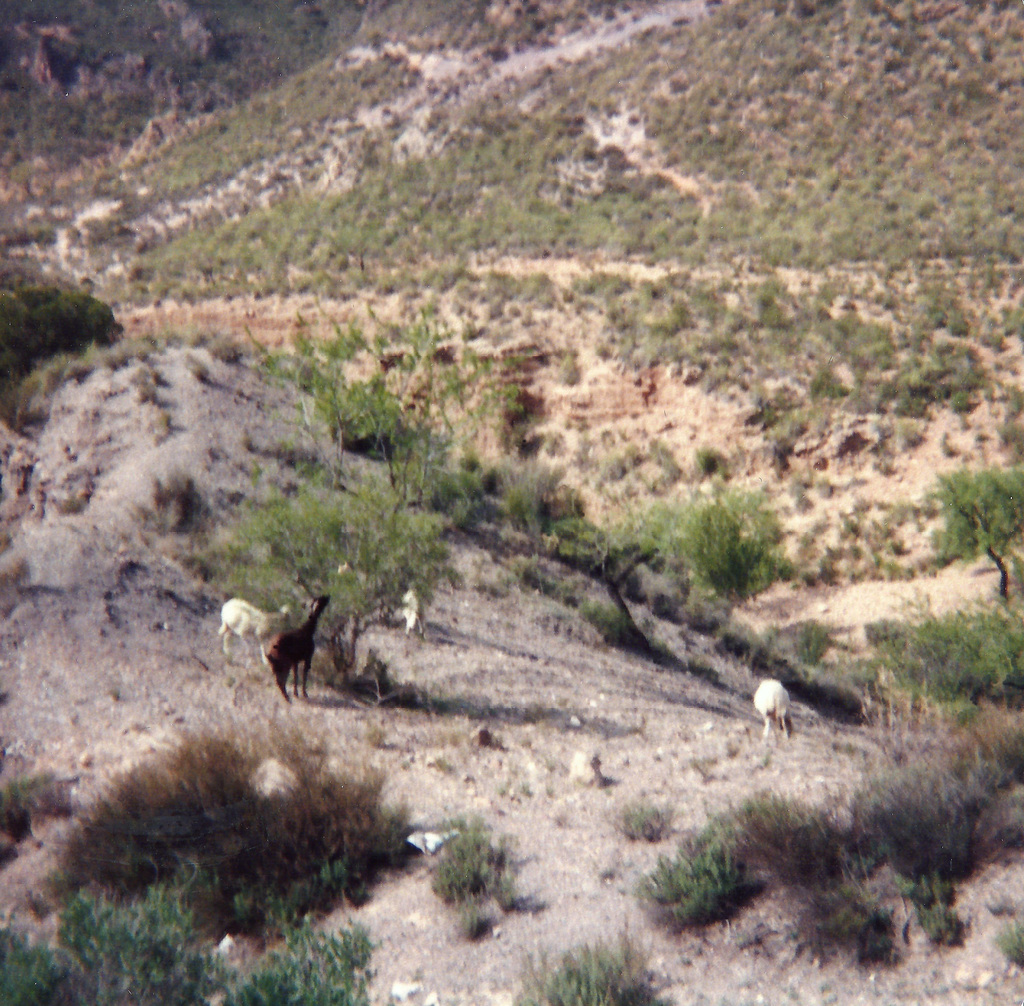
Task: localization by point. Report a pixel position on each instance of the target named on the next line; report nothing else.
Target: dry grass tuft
(258, 854)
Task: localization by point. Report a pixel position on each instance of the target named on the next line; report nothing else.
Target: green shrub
(798, 845)
(932, 897)
(732, 544)
(616, 626)
(826, 384)
(29, 975)
(459, 495)
(145, 952)
(962, 656)
(708, 461)
(17, 801)
(533, 498)
(475, 920)
(849, 915)
(813, 642)
(590, 976)
(1010, 941)
(921, 819)
(257, 860)
(38, 323)
(472, 871)
(950, 373)
(644, 820)
(314, 969)
(702, 884)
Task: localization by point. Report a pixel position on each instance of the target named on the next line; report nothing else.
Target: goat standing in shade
(294, 649)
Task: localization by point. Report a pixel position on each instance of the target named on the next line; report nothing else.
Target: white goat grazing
(411, 612)
(772, 701)
(240, 618)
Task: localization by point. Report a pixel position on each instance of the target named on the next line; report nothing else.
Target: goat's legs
(282, 682)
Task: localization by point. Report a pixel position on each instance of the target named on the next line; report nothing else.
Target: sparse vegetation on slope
(601, 975)
(90, 80)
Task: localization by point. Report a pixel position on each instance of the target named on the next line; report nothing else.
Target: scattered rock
(401, 991)
(273, 778)
(429, 841)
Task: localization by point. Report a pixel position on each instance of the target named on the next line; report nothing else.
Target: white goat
(771, 700)
(411, 612)
(240, 618)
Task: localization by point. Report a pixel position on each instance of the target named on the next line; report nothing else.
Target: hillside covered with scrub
(658, 349)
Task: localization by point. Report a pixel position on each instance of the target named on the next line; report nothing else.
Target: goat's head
(318, 605)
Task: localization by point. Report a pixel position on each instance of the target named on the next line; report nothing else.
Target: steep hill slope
(109, 651)
(773, 247)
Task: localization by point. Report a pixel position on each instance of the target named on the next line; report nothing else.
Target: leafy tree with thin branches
(984, 515)
(385, 416)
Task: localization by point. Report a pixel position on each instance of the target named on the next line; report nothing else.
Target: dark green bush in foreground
(149, 953)
(146, 952)
(29, 975)
(313, 969)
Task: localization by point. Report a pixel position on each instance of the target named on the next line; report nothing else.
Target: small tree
(984, 513)
(732, 542)
(404, 401)
(363, 533)
(361, 546)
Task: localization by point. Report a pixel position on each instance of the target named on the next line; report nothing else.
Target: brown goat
(290, 650)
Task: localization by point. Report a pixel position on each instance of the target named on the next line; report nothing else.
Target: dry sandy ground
(109, 650)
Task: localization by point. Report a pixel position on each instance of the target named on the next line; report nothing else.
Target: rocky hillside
(717, 248)
(109, 653)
